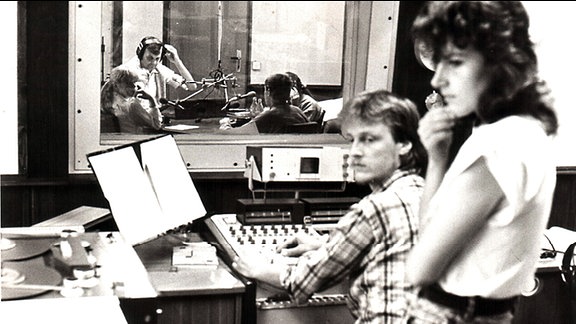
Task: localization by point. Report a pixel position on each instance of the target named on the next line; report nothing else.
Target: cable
(549, 253)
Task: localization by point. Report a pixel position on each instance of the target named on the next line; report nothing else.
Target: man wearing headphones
(153, 74)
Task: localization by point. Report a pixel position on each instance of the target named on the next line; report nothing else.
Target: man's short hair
(279, 86)
(153, 44)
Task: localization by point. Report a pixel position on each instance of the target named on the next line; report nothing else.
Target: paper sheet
(132, 199)
(180, 127)
(177, 195)
(148, 197)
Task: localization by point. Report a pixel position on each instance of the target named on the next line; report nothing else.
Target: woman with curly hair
(481, 212)
(121, 98)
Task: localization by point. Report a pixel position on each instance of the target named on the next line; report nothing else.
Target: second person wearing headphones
(156, 76)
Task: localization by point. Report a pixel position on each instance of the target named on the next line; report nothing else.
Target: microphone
(434, 100)
(165, 102)
(234, 105)
(247, 95)
(238, 97)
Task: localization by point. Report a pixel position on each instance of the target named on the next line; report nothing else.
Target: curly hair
(120, 77)
(398, 113)
(499, 30)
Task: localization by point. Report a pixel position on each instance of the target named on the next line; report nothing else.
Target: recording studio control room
(163, 162)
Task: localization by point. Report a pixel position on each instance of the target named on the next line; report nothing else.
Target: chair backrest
(331, 126)
(108, 123)
(304, 128)
(321, 117)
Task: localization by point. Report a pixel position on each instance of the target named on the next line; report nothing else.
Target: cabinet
(550, 305)
(185, 295)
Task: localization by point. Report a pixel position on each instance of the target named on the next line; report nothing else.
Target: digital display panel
(310, 165)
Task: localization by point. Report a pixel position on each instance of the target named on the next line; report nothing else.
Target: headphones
(568, 271)
(145, 42)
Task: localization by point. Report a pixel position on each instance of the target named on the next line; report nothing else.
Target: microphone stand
(226, 104)
(221, 82)
(214, 82)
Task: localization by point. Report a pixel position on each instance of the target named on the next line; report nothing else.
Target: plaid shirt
(368, 248)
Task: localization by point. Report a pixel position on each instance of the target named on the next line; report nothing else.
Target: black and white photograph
(288, 162)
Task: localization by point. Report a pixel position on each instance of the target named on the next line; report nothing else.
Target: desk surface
(119, 270)
(559, 239)
(201, 125)
(146, 271)
(167, 280)
(132, 274)
(208, 125)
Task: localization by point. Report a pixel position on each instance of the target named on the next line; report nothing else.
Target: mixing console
(328, 306)
(262, 239)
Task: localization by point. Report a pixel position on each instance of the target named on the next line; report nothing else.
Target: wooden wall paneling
(46, 89)
(410, 78)
(564, 206)
(15, 210)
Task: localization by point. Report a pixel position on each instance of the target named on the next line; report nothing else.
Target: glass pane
(229, 47)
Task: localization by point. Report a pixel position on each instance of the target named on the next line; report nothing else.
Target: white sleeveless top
(502, 258)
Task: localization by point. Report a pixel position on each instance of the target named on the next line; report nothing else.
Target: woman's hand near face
(143, 94)
(435, 130)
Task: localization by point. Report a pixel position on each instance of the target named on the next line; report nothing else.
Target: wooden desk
(148, 288)
(202, 125)
(206, 125)
(120, 276)
(190, 295)
(551, 303)
(119, 270)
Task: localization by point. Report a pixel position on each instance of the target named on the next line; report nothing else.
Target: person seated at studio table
(154, 75)
(280, 115)
(121, 97)
(369, 245)
(302, 98)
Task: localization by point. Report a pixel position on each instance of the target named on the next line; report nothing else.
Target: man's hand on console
(298, 245)
(257, 266)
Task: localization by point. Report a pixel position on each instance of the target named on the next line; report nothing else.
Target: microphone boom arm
(220, 81)
(244, 96)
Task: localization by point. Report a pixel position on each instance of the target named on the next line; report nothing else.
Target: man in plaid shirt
(369, 245)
